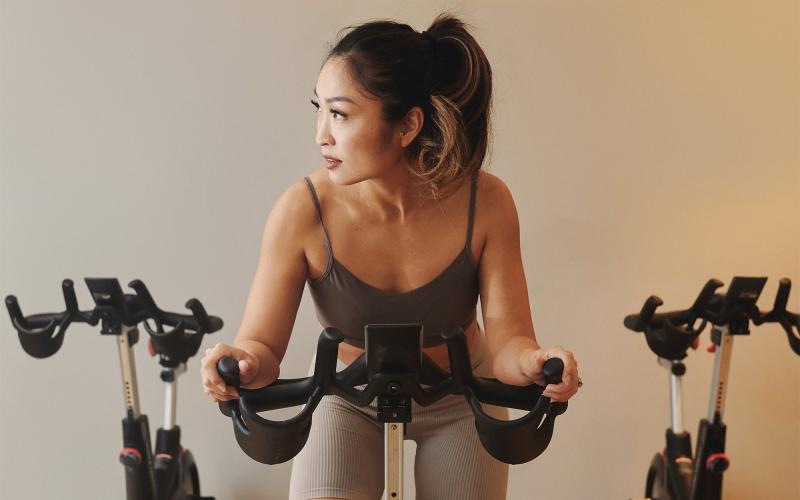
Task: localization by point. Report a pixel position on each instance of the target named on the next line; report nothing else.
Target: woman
(403, 121)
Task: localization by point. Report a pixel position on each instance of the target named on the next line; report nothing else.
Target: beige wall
(649, 145)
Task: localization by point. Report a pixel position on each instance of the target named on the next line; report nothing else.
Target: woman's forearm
(268, 362)
(511, 365)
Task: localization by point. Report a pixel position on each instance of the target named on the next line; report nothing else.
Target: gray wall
(649, 145)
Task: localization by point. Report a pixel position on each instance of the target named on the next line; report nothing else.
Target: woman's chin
(338, 176)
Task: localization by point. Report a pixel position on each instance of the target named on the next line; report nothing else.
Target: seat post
(393, 433)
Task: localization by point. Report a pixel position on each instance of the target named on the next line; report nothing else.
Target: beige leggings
(343, 457)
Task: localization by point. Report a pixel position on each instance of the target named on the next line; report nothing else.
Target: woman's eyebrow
(337, 99)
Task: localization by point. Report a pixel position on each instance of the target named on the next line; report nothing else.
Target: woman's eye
(334, 112)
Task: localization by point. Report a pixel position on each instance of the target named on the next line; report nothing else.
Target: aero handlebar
(41, 335)
(670, 334)
(271, 442)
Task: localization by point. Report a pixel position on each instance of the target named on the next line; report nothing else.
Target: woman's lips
(331, 162)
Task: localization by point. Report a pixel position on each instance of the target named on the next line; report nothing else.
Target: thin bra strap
(471, 218)
(319, 216)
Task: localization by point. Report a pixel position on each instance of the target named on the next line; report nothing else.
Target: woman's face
(356, 141)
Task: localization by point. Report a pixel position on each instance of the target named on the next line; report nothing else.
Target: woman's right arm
(274, 298)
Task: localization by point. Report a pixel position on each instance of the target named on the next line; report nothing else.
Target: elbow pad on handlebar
(272, 442)
(670, 341)
(521, 440)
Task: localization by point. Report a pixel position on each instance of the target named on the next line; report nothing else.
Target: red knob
(130, 457)
(717, 463)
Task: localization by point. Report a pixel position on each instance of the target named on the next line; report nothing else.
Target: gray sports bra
(345, 302)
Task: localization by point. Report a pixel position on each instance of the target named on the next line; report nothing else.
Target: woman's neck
(394, 197)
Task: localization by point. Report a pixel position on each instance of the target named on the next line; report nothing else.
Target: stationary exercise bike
(394, 369)
(675, 474)
(170, 473)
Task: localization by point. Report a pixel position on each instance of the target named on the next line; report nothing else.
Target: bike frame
(700, 478)
(675, 474)
(170, 473)
(148, 476)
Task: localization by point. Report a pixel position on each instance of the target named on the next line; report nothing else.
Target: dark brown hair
(442, 70)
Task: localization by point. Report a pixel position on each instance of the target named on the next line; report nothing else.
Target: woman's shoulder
(321, 183)
(294, 209)
(494, 200)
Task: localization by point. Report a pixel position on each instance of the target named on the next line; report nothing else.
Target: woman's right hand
(212, 381)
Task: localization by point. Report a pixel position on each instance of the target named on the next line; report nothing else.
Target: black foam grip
(228, 369)
(638, 322)
(553, 370)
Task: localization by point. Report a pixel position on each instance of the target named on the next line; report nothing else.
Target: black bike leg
(137, 459)
(167, 459)
(679, 463)
(711, 461)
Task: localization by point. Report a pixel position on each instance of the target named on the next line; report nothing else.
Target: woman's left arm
(518, 359)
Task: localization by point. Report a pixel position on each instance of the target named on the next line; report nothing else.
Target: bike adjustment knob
(130, 457)
(717, 463)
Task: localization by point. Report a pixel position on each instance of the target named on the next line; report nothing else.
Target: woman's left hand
(532, 362)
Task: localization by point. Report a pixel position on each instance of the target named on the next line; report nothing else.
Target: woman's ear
(411, 125)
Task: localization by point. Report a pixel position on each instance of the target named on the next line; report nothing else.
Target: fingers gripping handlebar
(272, 442)
(42, 335)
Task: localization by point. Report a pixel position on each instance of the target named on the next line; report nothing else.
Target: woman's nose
(324, 137)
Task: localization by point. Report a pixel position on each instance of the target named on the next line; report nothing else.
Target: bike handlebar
(38, 336)
(272, 442)
(779, 314)
(670, 334)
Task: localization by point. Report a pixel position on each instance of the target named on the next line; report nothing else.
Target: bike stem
(130, 388)
(136, 454)
(393, 433)
(394, 411)
(722, 363)
(711, 462)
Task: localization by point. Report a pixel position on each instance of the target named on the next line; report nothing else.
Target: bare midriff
(438, 354)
